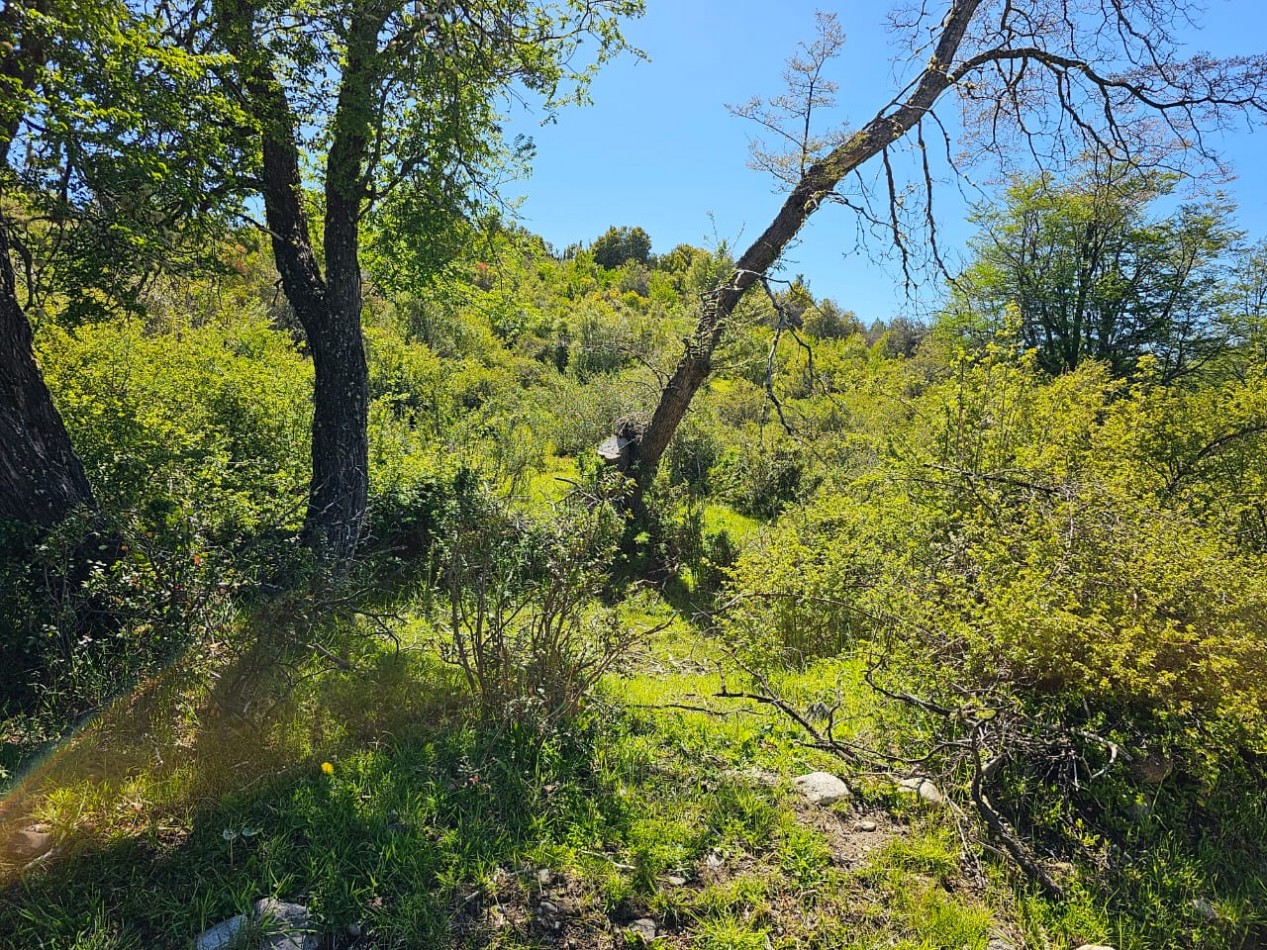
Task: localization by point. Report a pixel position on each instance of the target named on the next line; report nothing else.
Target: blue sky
(658, 149)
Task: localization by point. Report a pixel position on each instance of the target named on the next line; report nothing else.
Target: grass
(433, 832)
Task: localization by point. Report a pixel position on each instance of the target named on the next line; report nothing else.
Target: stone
(865, 826)
(924, 788)
(1095, 946)
(29, 843)
(676, 880)
(998, 943)
(223, 936)
(544, 877)
(822, 788)
(644, 928)
(281, 925)
(285, 926)
(1205, 910)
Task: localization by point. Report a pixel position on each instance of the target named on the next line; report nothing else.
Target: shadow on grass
(368, 795)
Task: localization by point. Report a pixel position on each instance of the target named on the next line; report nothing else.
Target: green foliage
(619, 246)
(519, 606)
(1092, 277)
(216, 415)
(116, 166)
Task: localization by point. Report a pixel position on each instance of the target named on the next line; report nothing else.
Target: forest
(375, 574)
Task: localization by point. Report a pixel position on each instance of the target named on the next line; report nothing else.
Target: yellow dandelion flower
(327, 768)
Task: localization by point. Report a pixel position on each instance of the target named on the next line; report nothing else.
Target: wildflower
(327, 768)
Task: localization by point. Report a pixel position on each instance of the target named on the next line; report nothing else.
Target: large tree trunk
(41, 478)
(329, 308)
(814, 187)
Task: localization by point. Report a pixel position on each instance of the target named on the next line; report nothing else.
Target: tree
(100, 180)
(41, 478)
(402, 98)
(618, 245)
(1092, 277)
(1044, 79)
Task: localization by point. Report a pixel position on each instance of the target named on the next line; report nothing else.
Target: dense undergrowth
(1047, 591)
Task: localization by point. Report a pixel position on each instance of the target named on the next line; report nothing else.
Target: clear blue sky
(658, 149)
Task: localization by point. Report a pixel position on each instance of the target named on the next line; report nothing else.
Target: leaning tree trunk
(815, 186)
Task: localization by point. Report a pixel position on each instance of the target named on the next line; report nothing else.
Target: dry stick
(1015, 847)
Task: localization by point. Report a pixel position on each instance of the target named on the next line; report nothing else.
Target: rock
(998, 943)
(644, 928)
(223, 936)
(544, 877)
(865, 826)
(282, 926)
(1205, 910)
(924, 788)
(714, 860)
(285, 926)
(822, 788)
(676, 880)
(1095, 946)
(356, 929)
(31, 842)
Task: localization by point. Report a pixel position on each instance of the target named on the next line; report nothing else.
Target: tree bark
(329, 307)
(41, 478)
(814, 187)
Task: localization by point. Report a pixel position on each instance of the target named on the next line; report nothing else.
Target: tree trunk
(329, 308)
(41, 478)
(815, 186)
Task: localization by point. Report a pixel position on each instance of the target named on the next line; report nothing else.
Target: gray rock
(676, 880)
(822, 788)
(1095, 946)
(1205, 910)
(924, 788)
(30, 843)
(544, 877)
(284, 926)
(865, 826)
(998, 943)
(643, 928)
(223, 936)
(279, 926)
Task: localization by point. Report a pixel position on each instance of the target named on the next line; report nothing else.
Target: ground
(187, 801)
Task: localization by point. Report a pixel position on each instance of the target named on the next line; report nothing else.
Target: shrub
(522, 619)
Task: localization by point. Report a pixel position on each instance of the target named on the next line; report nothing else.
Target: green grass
(431, 831)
